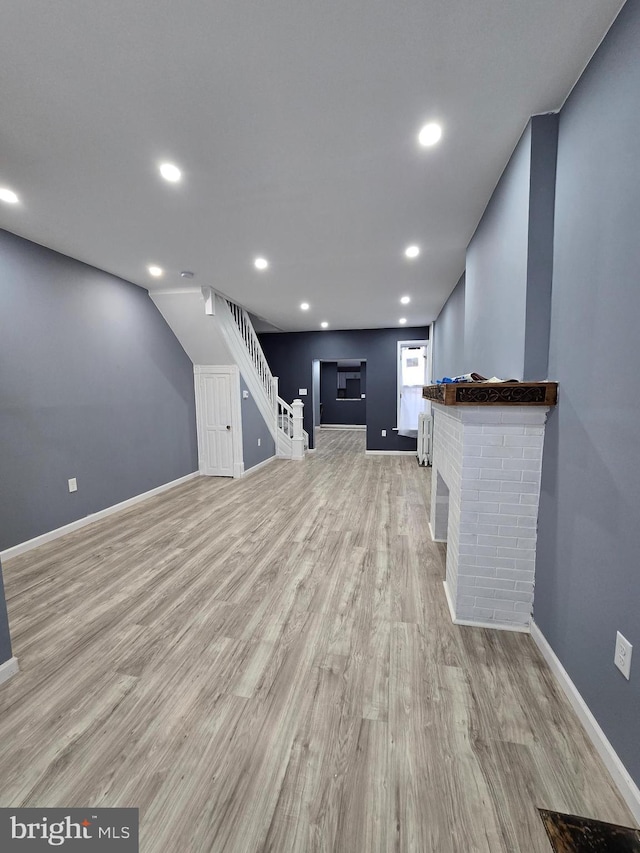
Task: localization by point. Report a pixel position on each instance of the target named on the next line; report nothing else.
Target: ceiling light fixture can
(402, 321)
(405, 300)
(429, 134)
(412, 251)
(304, 306)
(8, 196)
(324, 325)
(170, 172)
(261, 263)
(155, 271)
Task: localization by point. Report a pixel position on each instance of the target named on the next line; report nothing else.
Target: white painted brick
(533, 430)
(485, 440)
(530, 500)
(525, 586)
(526, 565)
(524, 441)
(470, 473)
(519, 510)
(466, 561)
(513, 574)
(488, 602)
(485, 571)
(523, 607)
(531, 477)
(504, 429)
(522, 464)
(487, 529)
(503, 452)
(487, 508)
(529, 416)
(532, 453)
(519, 487)
(489, 518)
(517, 553)
(469, 516)
(499, 542)
(527, 522)
(469, 495)
(468, 539)
(515, 595)
(497, 562)
(487, 463)
(488, 496)
(495, 583)
(466, 600)
(527, 541)
(502, 475)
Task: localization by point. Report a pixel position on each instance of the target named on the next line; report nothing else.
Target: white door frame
(233, 372)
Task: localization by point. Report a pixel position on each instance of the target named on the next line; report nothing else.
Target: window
(414, 372)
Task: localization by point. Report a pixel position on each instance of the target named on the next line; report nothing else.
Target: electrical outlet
(384, 433)
(259, 442)
(622, 657)
(73, 485)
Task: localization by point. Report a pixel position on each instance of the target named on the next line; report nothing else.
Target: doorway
(218, 420)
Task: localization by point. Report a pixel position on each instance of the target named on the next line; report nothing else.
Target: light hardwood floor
(268, 664)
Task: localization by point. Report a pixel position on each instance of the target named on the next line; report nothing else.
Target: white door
(216, 420)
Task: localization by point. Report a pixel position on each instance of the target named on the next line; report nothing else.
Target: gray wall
(254, 428)
(5, 639)
(496, 274)
(448, 342)
(93, 385)
(587, 572)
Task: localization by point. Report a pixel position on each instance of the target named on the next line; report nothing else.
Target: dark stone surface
(573, 834)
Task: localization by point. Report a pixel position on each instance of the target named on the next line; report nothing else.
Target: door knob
(228, 427)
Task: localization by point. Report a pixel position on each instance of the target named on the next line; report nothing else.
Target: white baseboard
(22, 547)
(343, 426)
(8, 669)
(391, 453)
(607, 753)
(260, 465)
(470, 623)
(431, 534)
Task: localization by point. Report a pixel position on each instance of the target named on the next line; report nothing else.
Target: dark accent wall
(5, 639)
(290, 357)
(254, 428)
(587, 569)
(93, 385)
(448, 340)
(335, 411)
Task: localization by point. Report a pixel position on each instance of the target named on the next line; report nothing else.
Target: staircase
(284, 420)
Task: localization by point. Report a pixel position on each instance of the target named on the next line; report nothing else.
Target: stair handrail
(252, 344)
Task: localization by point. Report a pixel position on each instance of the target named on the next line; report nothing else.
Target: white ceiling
(295, 124)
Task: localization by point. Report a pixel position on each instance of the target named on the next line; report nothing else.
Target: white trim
(619, 773)
(343, 426)
(399, 345)
(432, 536)
(260, 465)
(470, 623)
(391, 453)
(8, 669)
(22, 547)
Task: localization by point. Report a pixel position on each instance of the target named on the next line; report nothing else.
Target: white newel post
(297, 441)
(274, 395)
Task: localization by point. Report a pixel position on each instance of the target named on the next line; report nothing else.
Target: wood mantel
(493, 393)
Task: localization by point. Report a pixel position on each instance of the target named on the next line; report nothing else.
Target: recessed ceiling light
(8, 195)
(261, 263)
(155, 271)
(324, 324)
(412, 251)
(405, 300)
(170, 172)
(429, 134)
(402, 321)
(304, 306)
